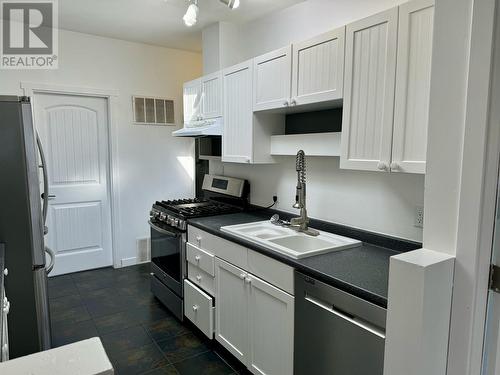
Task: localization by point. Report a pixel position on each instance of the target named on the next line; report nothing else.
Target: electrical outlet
(419, 216)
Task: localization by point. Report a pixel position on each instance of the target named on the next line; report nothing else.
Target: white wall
(302, 21)
(379, 202)
(148, 155)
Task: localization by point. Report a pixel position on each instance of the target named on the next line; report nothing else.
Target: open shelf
(313, 144)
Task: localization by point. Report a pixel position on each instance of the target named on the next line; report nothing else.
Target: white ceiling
(157, 22)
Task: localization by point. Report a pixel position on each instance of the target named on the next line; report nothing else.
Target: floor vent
(143, 249)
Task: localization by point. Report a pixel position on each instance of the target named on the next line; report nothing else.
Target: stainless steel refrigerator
(22, 227)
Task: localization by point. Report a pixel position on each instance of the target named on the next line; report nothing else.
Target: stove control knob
(170, 220)
(162, 216)
(175, 222)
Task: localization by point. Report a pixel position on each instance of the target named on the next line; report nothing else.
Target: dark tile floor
(140, 335)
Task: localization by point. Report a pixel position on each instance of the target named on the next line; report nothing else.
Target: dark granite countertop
(362, 271)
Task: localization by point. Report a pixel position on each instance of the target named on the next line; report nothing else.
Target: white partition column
(418, 314)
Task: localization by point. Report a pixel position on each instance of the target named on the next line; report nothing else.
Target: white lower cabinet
(231, 306)
(271, 313)
(254, 320)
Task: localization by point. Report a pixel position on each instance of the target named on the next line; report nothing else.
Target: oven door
(167, 255)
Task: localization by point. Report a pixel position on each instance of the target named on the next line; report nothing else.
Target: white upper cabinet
(318, 68)
(211, 89)
(237, 142)
(272, 79)
(413, 78)
(192, 101)
(370, 69)
(247, 136)
(387, 88)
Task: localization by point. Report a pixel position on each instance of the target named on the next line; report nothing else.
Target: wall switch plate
(419, 217)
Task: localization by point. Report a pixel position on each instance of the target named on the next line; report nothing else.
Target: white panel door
(74, 134)
(370, 68)
(413, 81)
(231, 309)
(318, 68)
(211, 94)
(191, 100)
(272, 74)
(237, 139)
(271, 314)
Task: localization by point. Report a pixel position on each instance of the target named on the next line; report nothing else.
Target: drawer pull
(195, 308)
(198, 278)
(198, 239)
(197, 258)
(242, 276)
(248, 280)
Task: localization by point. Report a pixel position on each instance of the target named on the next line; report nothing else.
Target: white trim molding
(31, 88)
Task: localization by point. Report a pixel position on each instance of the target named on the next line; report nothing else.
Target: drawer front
(201, 278)
(227, 250)
(198, 308)
(272, 271)
(200, 258)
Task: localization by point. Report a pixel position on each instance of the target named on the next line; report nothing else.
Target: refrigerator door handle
(45, 196)
(52, 255)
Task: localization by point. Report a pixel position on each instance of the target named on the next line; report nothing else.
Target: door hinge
(495, 278)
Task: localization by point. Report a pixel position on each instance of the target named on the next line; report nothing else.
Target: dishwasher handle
(340, 314)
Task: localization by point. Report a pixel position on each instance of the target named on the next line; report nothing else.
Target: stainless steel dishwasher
(336, 333)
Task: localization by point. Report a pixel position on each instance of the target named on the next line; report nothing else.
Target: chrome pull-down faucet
(301, 223)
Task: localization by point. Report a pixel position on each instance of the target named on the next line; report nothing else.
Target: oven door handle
(161, 230)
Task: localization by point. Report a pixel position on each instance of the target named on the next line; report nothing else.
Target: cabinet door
(413, 79)
(271, 313)
(272, 74)
(369, 92)
(192, 100)
(211, 88)
(231, 312)
(237, 139)
(318, 68)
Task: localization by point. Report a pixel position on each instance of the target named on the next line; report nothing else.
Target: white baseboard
(129, 261)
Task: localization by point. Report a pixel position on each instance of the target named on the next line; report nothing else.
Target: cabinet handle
(286, 104)
(197, 258)
(394, 166)
(195, 308)
(248, 280)
(382, 166)
(198, 239)
(293, 102)
(242, 276)
(198, 278)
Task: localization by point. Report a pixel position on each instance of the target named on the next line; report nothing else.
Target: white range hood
(200, 128)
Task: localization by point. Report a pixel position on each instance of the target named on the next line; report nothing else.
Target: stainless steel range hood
(201, 128)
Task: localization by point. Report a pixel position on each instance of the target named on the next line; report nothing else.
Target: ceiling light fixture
(191, 16)
(232, 4)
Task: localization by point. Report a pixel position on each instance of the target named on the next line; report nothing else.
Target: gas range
(168, 222)
(176, 212)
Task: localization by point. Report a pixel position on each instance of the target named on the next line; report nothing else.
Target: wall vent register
(153, 111)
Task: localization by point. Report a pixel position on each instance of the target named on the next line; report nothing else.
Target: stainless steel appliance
(336, 333)
(168, 221)
(4, 309)
(22, 228)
